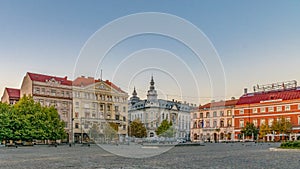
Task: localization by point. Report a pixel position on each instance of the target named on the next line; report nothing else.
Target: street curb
(282, 149)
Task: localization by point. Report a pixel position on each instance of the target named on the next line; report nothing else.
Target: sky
(254, 42)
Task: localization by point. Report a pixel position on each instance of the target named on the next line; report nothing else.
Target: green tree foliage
(250, 129)
(109, 131)
(165, 129)
(264, 130)
(137, 129)
(28, 120)
(281, 126)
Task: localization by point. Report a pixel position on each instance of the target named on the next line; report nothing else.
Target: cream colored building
(51, 91)
(98, 103)
(214, 122)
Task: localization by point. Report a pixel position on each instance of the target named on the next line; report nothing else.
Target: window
(255, 110)
(116, 108)
(215, 123)
(262, 121)
(53, 92)
(288, 119)
(241, 111)
(222, 123)
(287, 107)
(221, 113)
(298, 120)
(270, 121)
(66, 124)
(228, 112)
(201, 115)
(93, 115)
(241, 123)
(87, 115)
(229, 123)
(124, 118)
(37, 90)
(208, 123)
(124, 109)
(124, 127)
(76, 114)
(255, 122)
(207, 114)
(270, 109)
(195, 115)
(263, 109)
(215, 114)
(76, 125)
(86, 126)
(279, 108)
(298, 106)
(43, 90)
(117, 117)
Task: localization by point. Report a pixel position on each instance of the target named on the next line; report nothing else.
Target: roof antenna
(101, 75)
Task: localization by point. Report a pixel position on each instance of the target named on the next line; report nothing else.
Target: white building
(152, 111)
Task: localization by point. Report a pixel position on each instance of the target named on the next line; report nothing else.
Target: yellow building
(97, 104)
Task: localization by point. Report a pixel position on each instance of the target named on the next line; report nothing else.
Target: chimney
(245, 90)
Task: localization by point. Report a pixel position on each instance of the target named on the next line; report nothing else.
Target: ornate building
(51, 91)
(214, 121)
(152, 111)
(98, 103)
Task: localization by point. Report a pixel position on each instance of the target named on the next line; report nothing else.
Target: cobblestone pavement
(231, 155)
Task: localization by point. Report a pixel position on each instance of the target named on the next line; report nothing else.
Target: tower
(152, 94)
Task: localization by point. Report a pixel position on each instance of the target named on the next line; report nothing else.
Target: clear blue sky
(258, 41)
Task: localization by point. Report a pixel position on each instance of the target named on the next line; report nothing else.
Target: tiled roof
(114, 86)
(252, 98)
(13, 93)
(219, 104)
(84, 81)
(44, 78)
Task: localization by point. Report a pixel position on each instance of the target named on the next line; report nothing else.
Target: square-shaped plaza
(211, 155)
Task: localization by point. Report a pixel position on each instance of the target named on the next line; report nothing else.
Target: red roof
(219, 104)
(84, 81)
(114, 86)
(13, 93)
(44, 78)
(252, 98)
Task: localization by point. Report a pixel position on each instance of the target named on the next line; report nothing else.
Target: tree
(281, 126)
(109, 131)
(264, 130)
(165, 129)
(28, 120)
(137, 129)
(250, 129)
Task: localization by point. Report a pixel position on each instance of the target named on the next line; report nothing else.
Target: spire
(152, 94)
(152, 83)
(134, 92)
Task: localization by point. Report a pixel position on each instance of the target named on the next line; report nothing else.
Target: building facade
(10, 96)
(51, 91)
(97, 104)
(152, 111)
(213, 122)
(269, 103)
